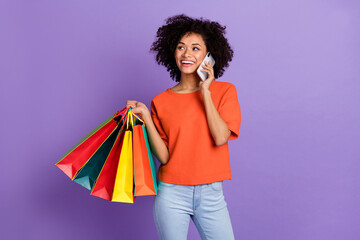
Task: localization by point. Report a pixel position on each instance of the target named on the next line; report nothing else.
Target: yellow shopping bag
(124, 181)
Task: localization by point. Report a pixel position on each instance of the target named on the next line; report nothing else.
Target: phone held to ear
(203, 75)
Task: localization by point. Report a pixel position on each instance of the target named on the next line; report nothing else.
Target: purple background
(65, 66)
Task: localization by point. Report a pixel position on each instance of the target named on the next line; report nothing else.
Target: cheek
(199, 58)
(201, 55)
(177, 57)
(177, 54)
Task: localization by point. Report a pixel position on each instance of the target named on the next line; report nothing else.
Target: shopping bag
(104, 186)
(104, 161)
(124, 180)
(88, 174)
(151, 160)
(76, 157)
(143, 176)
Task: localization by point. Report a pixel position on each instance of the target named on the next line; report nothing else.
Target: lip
(187, 64)
(187, 60)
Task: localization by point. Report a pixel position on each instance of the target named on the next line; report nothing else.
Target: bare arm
(218, 127)
(157, 145)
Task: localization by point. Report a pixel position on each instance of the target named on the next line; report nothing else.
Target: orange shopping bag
(144, 184)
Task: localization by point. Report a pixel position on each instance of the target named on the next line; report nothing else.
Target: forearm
(157, 145)
(218, 127)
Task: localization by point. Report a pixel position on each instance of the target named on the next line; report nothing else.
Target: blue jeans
(175, 204)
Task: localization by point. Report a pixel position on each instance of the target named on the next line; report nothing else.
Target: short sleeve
(157, 123)
(229, 111)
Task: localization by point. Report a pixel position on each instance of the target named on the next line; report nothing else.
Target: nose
(186, 53)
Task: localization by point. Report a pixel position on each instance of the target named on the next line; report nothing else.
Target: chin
(188, 71)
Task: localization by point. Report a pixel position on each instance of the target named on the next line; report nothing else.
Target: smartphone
(203, 75)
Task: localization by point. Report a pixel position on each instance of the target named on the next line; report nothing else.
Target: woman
(189, 127)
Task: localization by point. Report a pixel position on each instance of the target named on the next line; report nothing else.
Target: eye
(180, 47)
(196, 48)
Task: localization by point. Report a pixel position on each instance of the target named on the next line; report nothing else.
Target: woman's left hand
(205, 85)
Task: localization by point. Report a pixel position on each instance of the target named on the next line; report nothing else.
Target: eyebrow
(191, 44)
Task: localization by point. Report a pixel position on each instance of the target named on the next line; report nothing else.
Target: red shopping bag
(75, 158)
(104, 186)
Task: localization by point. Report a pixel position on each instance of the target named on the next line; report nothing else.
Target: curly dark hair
(168, 36)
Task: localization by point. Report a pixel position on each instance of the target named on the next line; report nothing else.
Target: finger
(205, 67)
(136, 110)
(210, 71)
(131, 103)
(208, 66)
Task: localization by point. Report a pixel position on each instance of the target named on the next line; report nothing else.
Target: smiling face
(190, 52)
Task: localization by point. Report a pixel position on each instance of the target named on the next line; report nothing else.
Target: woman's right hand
(139, 108)
(157, 145)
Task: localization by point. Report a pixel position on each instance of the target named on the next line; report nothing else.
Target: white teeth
(187, 62)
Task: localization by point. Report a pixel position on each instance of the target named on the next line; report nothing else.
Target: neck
(189, 81)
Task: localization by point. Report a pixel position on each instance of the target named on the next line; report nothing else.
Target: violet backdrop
(65, 66)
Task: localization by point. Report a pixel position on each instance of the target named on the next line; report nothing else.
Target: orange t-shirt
(180, 119)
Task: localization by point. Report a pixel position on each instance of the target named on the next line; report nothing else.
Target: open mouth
(187, 63)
